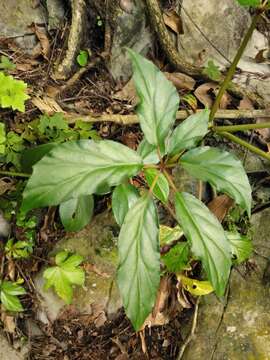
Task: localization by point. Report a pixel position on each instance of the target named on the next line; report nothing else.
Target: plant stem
(245, 144)
(14, 174)
(233, 66)
(234, 128)
(170, 180)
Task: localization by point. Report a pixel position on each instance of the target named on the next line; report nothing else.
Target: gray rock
(15, 19)
(131, 31)
(240, 330)
(97, 244)
(224, 23)
(56, 12)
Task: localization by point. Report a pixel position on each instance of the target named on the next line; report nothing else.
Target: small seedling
(6, 64)
(82, 58)
(12, 93)
(64, 274)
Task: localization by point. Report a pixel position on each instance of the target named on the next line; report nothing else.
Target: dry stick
(191, 335)
(244, 127)
(180, 115)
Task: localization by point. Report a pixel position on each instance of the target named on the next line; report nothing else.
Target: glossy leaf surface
(222, 170)
(207, 239)
(138, 274)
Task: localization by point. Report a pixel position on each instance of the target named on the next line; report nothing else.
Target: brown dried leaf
(41, 34)
(9, 322)
(259, 58)
(207, 92)
(173, 21)
(220, 206)
(245, 104)
(6, 184)
(181, 81)
(127, 93)
(264, 133)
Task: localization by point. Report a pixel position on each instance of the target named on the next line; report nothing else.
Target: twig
(14, 174)
(180, 115)
(235, 128)
(192, 332)
(245, 144)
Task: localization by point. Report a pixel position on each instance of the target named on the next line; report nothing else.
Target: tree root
(75, 39)
(174, 58)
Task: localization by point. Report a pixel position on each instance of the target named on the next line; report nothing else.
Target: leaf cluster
(69, 174)
(12, 92)
(9, 292)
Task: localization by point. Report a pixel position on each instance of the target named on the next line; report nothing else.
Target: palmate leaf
(76, 213)
(222, 170)
(189, 132)
(158, 100)
(12, 92)
(138, 274)
(9, 292)
(64, 275)
(161, 189)
(79, 168)
(207, 239)
(123, 198)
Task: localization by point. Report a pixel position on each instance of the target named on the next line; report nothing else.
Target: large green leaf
(76, 213)
(138, 274)
(222, 170)
(158, 100)
(189, 132)
(161, 189)
(207, 239)
(79, 168)
(241, 246)
(123, 197)
(148, 152)
(31, 156)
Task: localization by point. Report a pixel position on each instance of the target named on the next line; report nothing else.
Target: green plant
(212, 71)
(64, 274)
(18, 249)
(6, 64)
(82, 58)
(12, 92)
(83, 168)
(9, 292)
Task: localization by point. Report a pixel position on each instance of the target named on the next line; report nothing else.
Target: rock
(223, 23)
(131, 31)
(7, 352)
(97, 244)
(240, 330)
(16, 18)
(56, 11)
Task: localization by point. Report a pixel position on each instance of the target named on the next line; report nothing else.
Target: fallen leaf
(181, 81)
(127, 93)
(259, 58)
(6, 184)
(264, 133)
(245, 104)
(195, 287)
(206, 94)
(220, 206)
(173, 21)
(9, 322)
(42, 36)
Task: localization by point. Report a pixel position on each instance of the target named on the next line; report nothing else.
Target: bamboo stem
(225, 84)
(245, 144)
(180, 115)
(14, 174)
(244, 127)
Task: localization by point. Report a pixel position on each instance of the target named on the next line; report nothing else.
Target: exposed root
(74, 40)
